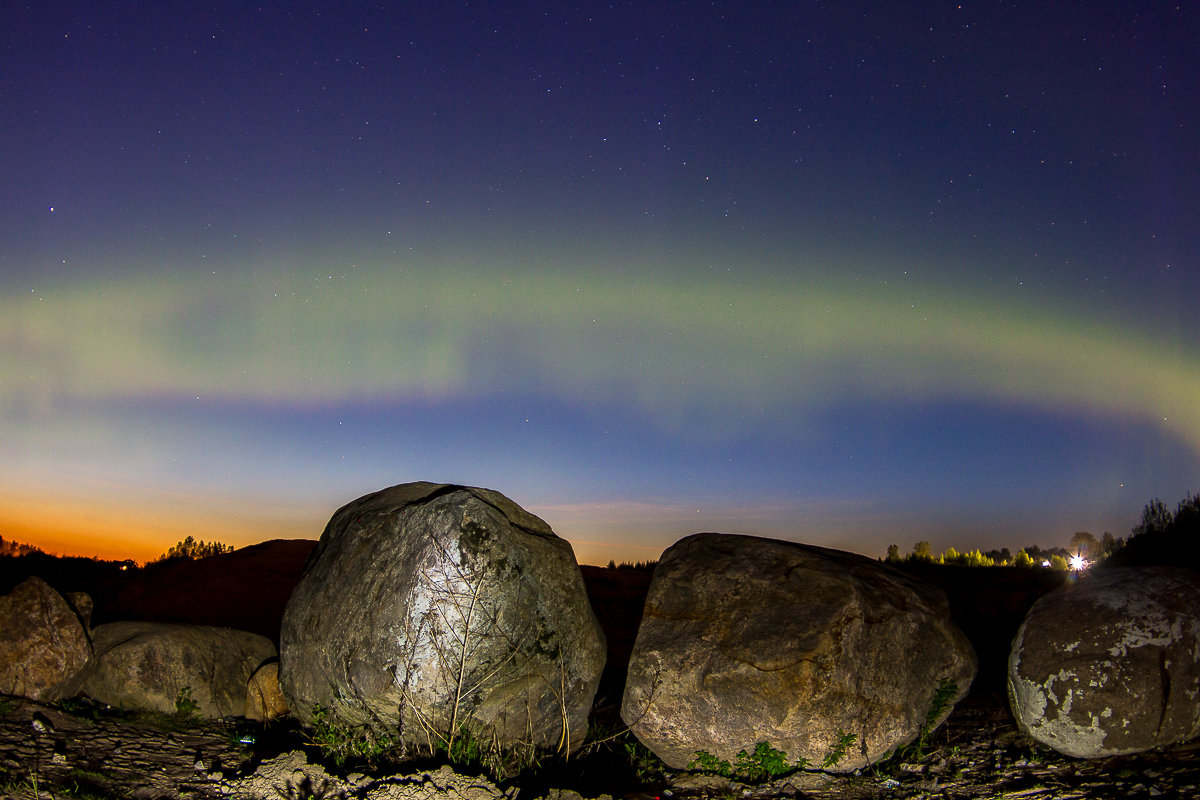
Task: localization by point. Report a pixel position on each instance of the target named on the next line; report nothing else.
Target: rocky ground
(77, 751)
(49, 752)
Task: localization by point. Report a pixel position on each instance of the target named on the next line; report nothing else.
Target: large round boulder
(1110, 665)
(747, 640)
(433, 611)
(159, 666)
(44, 646)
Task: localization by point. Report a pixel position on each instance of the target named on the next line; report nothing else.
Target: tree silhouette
(1156, 519)
(1163, 537)
(191, 548)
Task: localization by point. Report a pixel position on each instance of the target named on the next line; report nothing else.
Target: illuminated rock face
(434, 611)
(44, 647)
(1110, 665)
(747, 640)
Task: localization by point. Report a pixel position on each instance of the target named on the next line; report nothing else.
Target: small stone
(699, 782)
(264, 697)
(563, 794)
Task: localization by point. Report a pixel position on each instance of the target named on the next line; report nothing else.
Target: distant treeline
(1161, 537)
(190, 548)
(632, 564)
(64, 573)
(11, 548)
(1030, 556)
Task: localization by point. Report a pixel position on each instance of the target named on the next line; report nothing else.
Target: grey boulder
(44, 646)
(158, 666)
(747, 640)
(1110, 665)
(432, 611)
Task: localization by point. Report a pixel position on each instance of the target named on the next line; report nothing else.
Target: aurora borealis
(844, 276)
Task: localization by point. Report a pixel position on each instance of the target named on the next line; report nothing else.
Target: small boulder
(437, 610)
(264, 698)
(44, 647)
(747, 640)
(1110, 665)
(158, 666)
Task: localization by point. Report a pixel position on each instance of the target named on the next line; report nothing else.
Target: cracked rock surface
(1111, 664)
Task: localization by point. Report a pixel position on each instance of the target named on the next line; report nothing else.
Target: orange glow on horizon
(106, 528)
(119, 526)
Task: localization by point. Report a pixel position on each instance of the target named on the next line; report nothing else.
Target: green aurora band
(708, 358)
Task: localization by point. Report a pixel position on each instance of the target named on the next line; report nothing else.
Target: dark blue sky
(845, 273)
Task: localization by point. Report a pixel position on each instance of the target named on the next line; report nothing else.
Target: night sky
(850, 274)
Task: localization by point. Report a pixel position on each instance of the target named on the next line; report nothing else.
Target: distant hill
(64, 573)
(246, 589)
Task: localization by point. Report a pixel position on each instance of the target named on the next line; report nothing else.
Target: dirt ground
(978, 753)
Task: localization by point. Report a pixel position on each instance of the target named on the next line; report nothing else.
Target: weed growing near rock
(943, 698)
(840, 749)
(466, 752)
(342, 742)
(765, 764)
(707, 762)
(647, 766)
(185, 705)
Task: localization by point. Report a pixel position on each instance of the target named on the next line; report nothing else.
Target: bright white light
(1078, 562)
